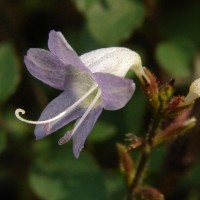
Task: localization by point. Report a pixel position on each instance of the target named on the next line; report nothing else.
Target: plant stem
(145, 155)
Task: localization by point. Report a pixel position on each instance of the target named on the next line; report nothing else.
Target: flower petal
(61, 48)
(114, 60)
(48, 68)
(58, 105)
(116, 91)
(93, 56)
(194, 92)
(82, 132)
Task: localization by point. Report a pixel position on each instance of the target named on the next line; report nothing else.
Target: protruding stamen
(21, 111)
(65, 138)
(86, 112)
(65, 112)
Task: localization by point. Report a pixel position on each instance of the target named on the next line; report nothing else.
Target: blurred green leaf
(58, 175)
(82, 41)
(156, 163)
(115, 186)
(9, 71)
(84, 5)
(175, 58)
(101, 132)
(47, 187)
(2, 141)
(87, 42)
(192, 178)
(134, 112)
(157, 159)
(16, 128)
(114, 20)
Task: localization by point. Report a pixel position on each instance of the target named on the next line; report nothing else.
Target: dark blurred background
(166, 33)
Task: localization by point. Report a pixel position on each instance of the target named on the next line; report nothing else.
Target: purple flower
(90, 83)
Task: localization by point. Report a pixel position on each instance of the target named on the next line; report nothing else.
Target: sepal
(151, 89)
(126, 163)
(147, 193)
(161, 96)
(177, 128)
(134, 141)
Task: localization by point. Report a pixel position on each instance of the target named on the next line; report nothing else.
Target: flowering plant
(95, 81)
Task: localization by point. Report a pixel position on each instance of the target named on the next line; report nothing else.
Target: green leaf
(84, 5)
(114, 20)
(175, 58)
(9, 71)
(16, 128)
(115, 185)
(134, 112)
(101, 132)
(192, 178)
(57, 175)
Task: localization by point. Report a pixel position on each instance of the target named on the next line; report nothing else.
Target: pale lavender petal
(48, 68)
(61, 48)
(84, 129)
(58, 105)
(116, 91)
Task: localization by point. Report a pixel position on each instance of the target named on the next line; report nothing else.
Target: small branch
(147, 149)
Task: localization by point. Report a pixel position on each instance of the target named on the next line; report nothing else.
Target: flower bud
(194, 92)
(148, 193)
